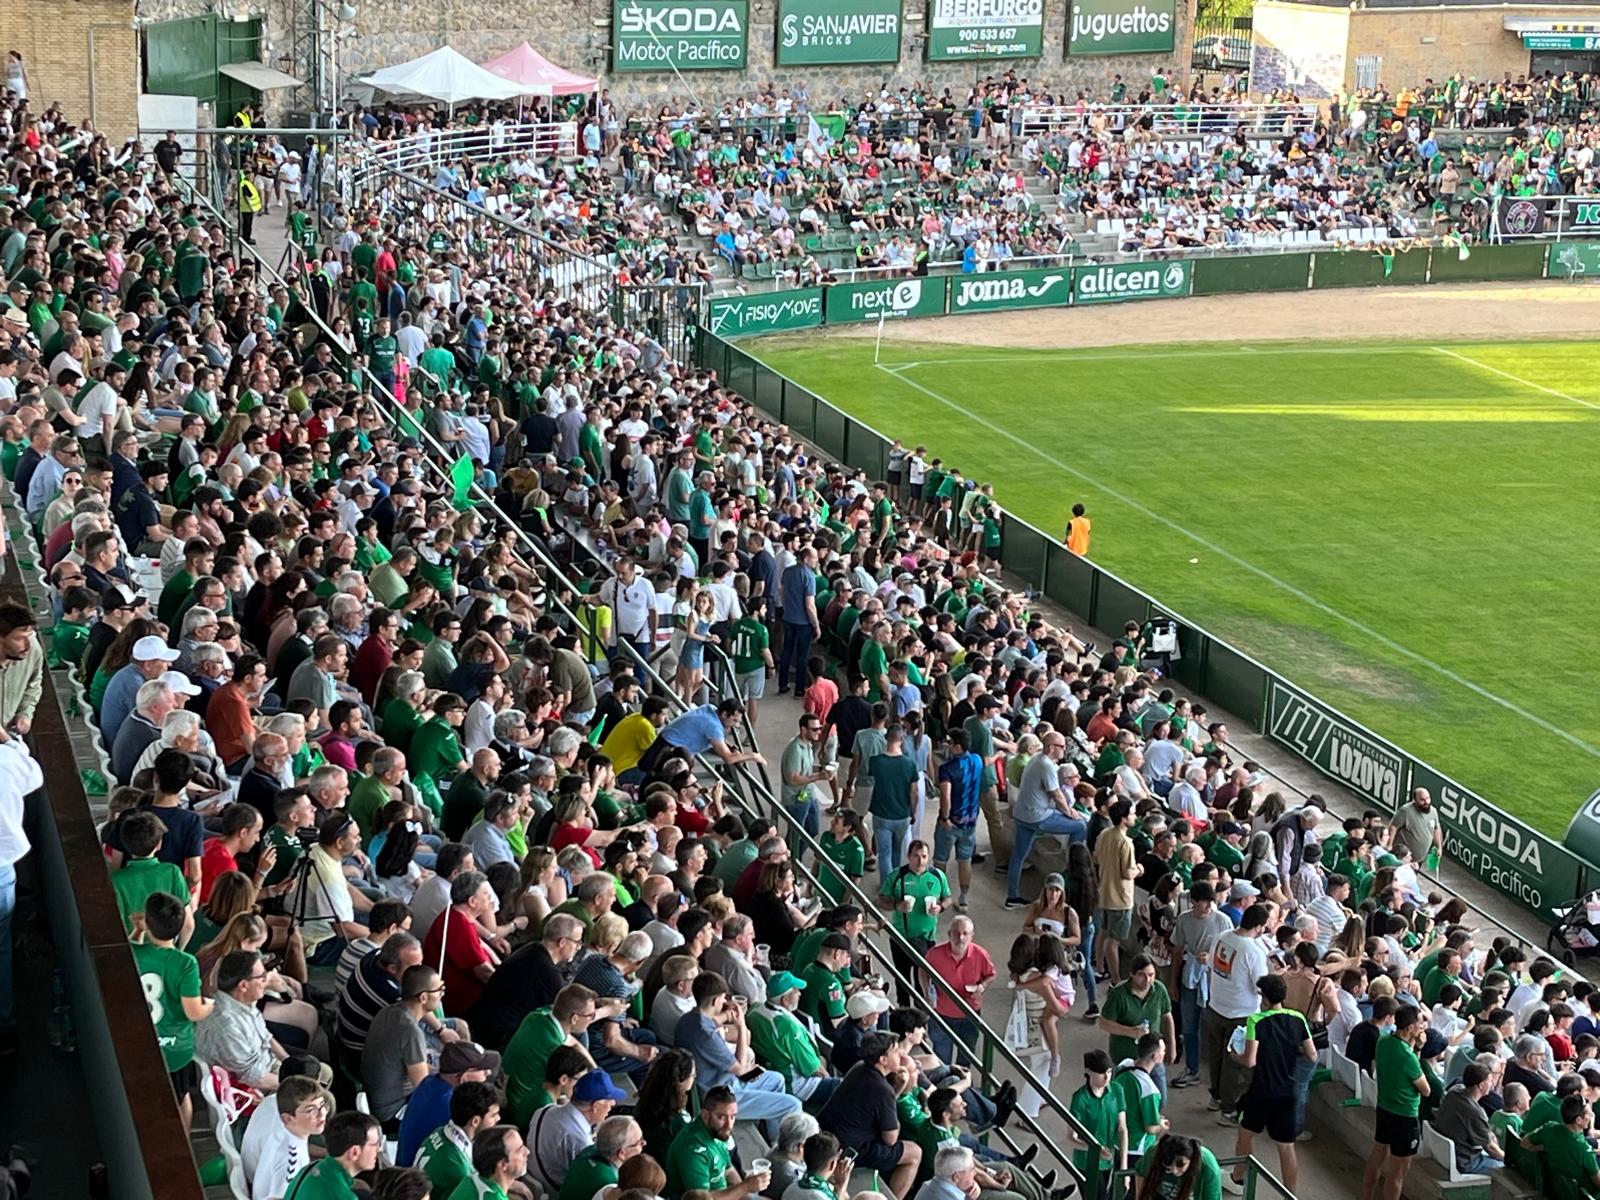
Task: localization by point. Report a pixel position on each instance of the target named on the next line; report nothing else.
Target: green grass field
(1407, 530)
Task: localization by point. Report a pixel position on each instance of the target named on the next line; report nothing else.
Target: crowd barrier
(1510, 856)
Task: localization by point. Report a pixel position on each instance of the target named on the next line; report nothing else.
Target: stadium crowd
(397, 816)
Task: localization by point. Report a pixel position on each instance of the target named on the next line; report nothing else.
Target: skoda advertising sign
(892, 298)
(975, 29)
(681, 35)
(778, 312)
(1111, 282)
(997, 290)
(1121, 27)
(811, 32)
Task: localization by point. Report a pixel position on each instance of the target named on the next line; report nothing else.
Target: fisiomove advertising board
(681, 35)
(815, 32)
(775, 312)
(974, 29)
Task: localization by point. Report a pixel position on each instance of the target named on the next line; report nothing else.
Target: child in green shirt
(171, 981)
(142, 875)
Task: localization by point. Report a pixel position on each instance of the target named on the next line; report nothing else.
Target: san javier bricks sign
(838, 31)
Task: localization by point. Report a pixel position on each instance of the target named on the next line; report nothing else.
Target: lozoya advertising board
(778, 312)
(1511, 857)
(679, 35)
(892, 298)
(1121, 27)
(812, 32)
(1108, 283)
(976, 29)
(995, 291)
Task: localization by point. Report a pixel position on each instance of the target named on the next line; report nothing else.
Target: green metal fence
(1507, 854)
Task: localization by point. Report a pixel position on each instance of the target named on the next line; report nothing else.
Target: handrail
(547, 139)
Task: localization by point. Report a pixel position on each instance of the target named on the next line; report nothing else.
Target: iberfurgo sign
(1110, 282)
(891, 298)
(971, 29)
(1000, 290)
(682, 35)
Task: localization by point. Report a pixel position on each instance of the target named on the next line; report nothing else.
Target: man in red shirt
(339, 743)
(241, 830)
(966, 968)
(376, 653)
(454, 945)
(230, 713)
(1102, 726)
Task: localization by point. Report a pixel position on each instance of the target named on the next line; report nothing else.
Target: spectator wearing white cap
(151, 657)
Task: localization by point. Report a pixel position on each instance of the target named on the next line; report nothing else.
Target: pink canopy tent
(536, 74)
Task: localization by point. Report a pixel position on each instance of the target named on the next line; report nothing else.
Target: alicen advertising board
(679, 35)
(833, 32)
(1109, 283)
(961, 30)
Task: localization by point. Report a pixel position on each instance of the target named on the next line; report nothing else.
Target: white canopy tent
(445, 75)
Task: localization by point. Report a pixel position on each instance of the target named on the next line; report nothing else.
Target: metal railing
(1169, 120)
(425, 153)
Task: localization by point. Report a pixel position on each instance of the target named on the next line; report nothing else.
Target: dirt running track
(1463, 311)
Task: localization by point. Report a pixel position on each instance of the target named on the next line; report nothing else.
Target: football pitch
(1407, 530)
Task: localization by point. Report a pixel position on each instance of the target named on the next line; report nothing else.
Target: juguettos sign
(682, 35)
(1121, 27)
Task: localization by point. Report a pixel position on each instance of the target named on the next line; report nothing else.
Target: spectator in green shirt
(70, 635)
(1568, 1157)
(499, 1159)
(1401, 1086)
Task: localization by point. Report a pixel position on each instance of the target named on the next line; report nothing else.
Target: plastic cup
(760, 1166)
(928, 902)
(763, 953)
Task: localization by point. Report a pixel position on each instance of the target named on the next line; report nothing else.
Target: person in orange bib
(1078, 532)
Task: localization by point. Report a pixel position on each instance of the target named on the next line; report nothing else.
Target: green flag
(461, 477)
(1388, 265)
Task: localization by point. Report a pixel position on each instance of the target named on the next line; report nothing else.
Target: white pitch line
(1528, 383)
(1147, 355)
(1283, 585)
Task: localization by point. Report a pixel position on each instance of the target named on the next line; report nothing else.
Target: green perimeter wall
(1512, 857)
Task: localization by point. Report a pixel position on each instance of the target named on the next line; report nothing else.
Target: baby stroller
(1576, 933)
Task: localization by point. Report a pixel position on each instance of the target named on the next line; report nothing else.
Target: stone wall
(83, 54)
(391, 31)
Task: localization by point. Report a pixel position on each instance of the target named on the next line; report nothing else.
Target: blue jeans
(1054, 823)
(1189, 1009)
(796, 650)
(945, 1046)
(889, 838)
(1087, 945)
(808, 816)
(610, 1061)
(765, 1098)
(1481, 1163)
(8, 904)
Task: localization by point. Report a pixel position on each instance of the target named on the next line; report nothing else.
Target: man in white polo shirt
(1238, 960)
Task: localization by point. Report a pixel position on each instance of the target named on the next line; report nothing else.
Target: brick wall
(1432, 44)
(59, 42)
